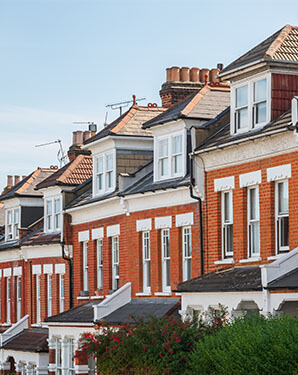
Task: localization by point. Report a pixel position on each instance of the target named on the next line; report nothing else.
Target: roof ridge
(195, 100)
(130, 113)
(276, 44)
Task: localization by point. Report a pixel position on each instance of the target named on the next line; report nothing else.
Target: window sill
(225, 261)
(94, 297)
(36, 325)
(274, 257)
(6, 324)
(250, 260)
(163, 294)
(143, 294)
(83, 298)
(178, 294)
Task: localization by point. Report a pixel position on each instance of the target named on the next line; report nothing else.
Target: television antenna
(91, 125)
(61, 154)
(121, 105)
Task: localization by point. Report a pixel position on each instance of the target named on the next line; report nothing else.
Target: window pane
(109, 161)
(99, 182)
(99, 164)
(255, 238)
(283, 198)
(168, 282)
(260, 88)
(163, 148)
(109, 179)
(242, 118)
(16, 216)
(9, 217)
(242, 96)
(261, 110)
(177, 164)
(229, 238)
(49, 207)
(227, 207)
(284, 231)
(164, 167)
(177, 144)
(252, 193)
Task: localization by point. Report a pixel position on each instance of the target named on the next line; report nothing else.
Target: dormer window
(12, 223)
(53, 214)
(250, 105)
(104, 177)
(170, 159)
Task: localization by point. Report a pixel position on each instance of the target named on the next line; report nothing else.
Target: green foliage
(249, 346)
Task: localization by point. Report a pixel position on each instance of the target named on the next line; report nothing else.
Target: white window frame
(115, 262)
(38, 302)
(12, 228)
(52, 218)
(58, 355)
(85, 267)
(253, 222)
(49, 294)
(61, 293)
(19, 297)
(170, 156)
(251, 103)
(225, 225)
(278, 217)
(104, 173)
(8, 300)
(146, 257)
(99, 260)
(186, 253)
(165, 260)
(71, 353)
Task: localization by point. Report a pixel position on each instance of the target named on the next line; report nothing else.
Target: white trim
(97, 233)
(280, 172)
(83, 236)
(60, 269)
(183, 220)
(250, 260)
(0, 273)
(163, 294)
(250, 179)
(17, 271)
(6, 272)
(82, 298)
(163, 222)
(36, 269)
(142, 294)
(47, 269)
(225, 261)
(104, 173)
(113, 230)
(225, 183)
(144, 225)
(97, 297)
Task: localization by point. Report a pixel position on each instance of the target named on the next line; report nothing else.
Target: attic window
(53, 214)
(12, 224)
(104, 176)
(250, 105)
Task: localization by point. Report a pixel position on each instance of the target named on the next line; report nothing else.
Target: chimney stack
(78, 138)
(16, 179)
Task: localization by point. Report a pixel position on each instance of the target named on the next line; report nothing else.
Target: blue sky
(65, 60)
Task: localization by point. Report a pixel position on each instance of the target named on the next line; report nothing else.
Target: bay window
(253, 222)
(186, 253)
(12, 223)
(146, 261)
(99, 264)
(227, 223)
(115, 263)
(282, 216)
(85, 267)
(165, 260)
(104, 174)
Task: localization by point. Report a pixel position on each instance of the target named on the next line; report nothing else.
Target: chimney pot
(175, 73)
(195, 74)
(213, 74)
(203, 73)
(16, 179)
(86, 135)
(79, 140)
(23, 177)
(74, 138)
(9, 181)
(220, 66)
(184, 74)
(169, 74)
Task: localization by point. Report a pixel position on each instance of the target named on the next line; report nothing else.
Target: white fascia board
(168, 127)
(51, 191)
(86, 206)
(41, 251)
(240, 68)
(94, 145)
(10, 256)
(134, 143)
(11, 203)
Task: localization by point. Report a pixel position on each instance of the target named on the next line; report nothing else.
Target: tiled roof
(29, 340)
(227, 280)
(204, 104)
(74, 173)
(27, 185)
(130, 123)
(143, 308)
(287, 281)
(40, 238)
(282, 45)
(223, 137)
(80, 314)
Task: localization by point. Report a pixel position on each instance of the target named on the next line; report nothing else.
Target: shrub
(249, 346)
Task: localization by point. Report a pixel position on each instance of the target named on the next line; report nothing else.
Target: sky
(63, 61)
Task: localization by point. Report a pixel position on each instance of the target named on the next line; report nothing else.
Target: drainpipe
(31, 292)
(200, 212)
(69, 260)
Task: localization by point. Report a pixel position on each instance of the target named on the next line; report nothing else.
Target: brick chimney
(181, 82)
(78, 138)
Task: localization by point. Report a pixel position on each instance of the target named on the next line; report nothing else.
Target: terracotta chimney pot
(86, 135)
(74, 138)
(184, 74)
(203, 73)
(79, 137)
(169, 74)
(213, 74)
(195, 74)
(23, 177)
(16, 179)
(175, 73)
(9, 181)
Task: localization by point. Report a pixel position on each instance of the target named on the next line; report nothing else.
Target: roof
(79, 314)
(227, 280)
(280, 46)
(74, 173)
(286, 281)
(204, 104)
(223, 137)
(26, 187)
(142, 308)
(130, 123)
(38, 237)
(29, 340)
